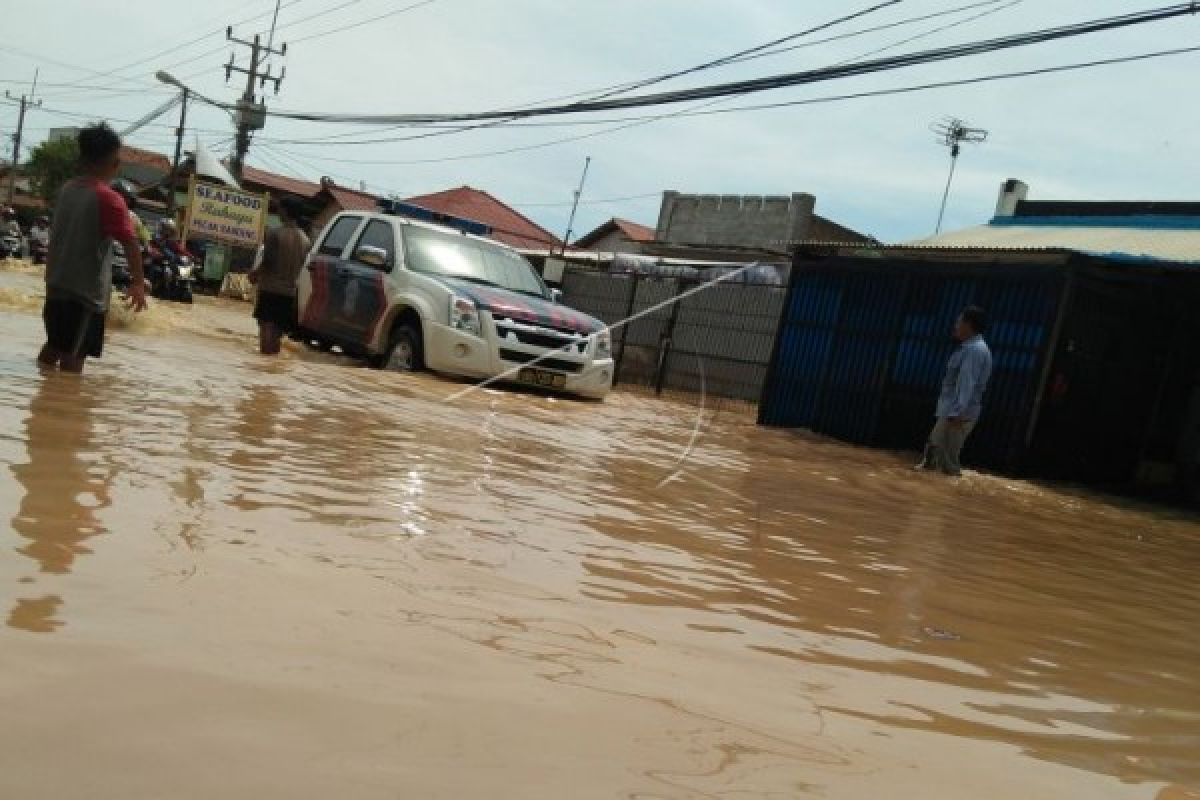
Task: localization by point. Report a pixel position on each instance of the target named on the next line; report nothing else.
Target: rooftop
(508, 225)
(350, 199)
(279, 183)
(145, 158)
(1158, 231)
(632, 231)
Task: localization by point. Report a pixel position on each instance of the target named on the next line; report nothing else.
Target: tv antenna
(952, 132)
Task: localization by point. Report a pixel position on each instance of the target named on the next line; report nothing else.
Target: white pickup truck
(433, 293)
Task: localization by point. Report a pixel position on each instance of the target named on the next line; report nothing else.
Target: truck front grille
(518, 357)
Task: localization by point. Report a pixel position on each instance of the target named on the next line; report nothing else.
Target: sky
(1117, 132)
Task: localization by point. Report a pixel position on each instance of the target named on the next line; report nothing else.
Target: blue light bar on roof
(401, 209)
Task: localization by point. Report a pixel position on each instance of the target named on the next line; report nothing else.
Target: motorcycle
(172, 277)
(121, 277)
(10, 246)
(38, 251)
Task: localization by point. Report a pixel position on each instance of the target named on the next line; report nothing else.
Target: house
(730, 228)
(334, 199)
(508, 225)
(1155, 230)
(750, 222)
(143, 167)
(279, 186)
(18, 192)
(1093, 330)
(616, 236)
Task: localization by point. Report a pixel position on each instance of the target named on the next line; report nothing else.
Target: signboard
(229, 216)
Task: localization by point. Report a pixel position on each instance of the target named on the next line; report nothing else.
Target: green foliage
(51, 165)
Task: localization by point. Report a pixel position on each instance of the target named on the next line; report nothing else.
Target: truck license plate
(541, 377)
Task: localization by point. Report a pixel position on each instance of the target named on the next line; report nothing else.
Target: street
(230, 576)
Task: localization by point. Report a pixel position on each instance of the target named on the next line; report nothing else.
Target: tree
(52, 164)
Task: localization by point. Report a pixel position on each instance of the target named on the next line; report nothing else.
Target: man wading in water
(88, 218)
(961, 400)
(284, 252)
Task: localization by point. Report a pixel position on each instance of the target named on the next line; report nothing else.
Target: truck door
(322, 310)
(366, 268)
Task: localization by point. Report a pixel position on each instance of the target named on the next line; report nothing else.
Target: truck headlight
(464, 315)
(603, 344)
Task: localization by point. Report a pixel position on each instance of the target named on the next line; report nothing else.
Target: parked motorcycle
(121, 278)
(38, 251)
(10, 246)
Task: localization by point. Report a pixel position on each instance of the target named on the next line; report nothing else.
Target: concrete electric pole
(251, 112)
(26, 101)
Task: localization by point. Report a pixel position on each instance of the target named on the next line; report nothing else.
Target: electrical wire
(644, 82)
(790, 104)
(771, 82)
(360, 23)
(604, 201)
(450, 130)
(176, 48)
(454, 129)
(720, 62)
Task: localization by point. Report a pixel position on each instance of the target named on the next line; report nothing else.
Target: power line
(625, 86)
(604, 201)
(795, 103)
(445, 130)
(174, 49)
(802, 78)
(720, 62)
(875, 29)
(368, 21)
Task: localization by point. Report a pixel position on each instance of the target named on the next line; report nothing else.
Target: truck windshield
(457, 256)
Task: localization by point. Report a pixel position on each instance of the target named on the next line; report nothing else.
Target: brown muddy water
(228, 576)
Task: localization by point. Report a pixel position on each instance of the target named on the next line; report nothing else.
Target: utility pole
(575, 205)
(952, 132)
(26, 101)
(251, 112)
(183, 100)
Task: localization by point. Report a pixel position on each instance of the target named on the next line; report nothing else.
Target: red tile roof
(508, 225)
(352, 199)
(635, 232)
(279, 183)
(631, 230)
(146, 158)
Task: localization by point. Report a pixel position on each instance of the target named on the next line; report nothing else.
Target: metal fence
(716, 339)
(864, 343)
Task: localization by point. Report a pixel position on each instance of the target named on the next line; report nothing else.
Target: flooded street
(229, 576)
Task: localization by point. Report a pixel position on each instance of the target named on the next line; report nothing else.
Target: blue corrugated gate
(863, 343)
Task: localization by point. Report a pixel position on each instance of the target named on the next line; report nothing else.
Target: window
(379, 234)
(339, 235)
(457, 256)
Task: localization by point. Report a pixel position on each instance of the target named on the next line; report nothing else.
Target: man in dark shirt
(284, 253)
(89, 218)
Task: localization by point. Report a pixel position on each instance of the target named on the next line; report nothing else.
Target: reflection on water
(775, 590)
(64, 488)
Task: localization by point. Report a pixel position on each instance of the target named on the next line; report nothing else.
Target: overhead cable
(802, 78)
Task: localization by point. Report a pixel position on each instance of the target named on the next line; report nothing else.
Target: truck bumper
(457, 353)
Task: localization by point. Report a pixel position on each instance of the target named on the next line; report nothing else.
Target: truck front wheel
(405, 352)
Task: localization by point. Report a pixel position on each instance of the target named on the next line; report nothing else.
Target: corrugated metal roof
(1163, 244)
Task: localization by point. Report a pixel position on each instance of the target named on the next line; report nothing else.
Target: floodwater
(228, 576)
